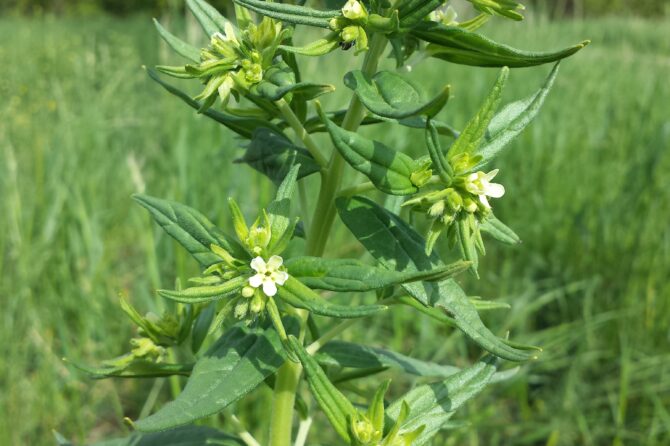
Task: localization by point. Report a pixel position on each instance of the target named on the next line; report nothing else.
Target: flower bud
(241, 309)
(349, 34)
(364, 431)
(257, 304)
(470, 205)
(437, 209)
(247, 292)
(354, 10)
(454, 200)
(259, 237)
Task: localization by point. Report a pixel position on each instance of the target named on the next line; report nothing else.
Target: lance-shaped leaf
(280, 209)
(272, 154)
(432, 405)
(460, 46)
(209, 18)
(234, 366)
(182, 436)
(499, 230)
(440, 163)
(296, 294)
(190, 228)
(243, 126)
(473, 133)
(349, 354)
(399, 248)
(511, 121)
(353, 275)
(317, 48)
(299, 15)
(335, 406)
(390, 95)
(182, 48)
(412, 12)
(138, 368)
(206, 293)
(279, 81)
(390, 171)
(201, 326)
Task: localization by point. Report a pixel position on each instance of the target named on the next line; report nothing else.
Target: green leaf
(209, 18)
(190, 228)
(138, 368)
(432, 405)
(390, 95)
(272, 154)
(243, 126)
(473, 133)
(336, 406)
(280, 208)
(299, 15)
(206, 293)
(353, 275)
(499, 230)
(412, 12)
(296, 294)
(460, 46)
(279, 81)
(201, 326)
(182, 48)
(182, 436)
(317, 48)
(439, 162)
(399, 248)
(234, 366)
(511, 121)
(349, 354)
(390, 171)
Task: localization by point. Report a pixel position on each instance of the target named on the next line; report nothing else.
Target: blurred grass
(81, 128)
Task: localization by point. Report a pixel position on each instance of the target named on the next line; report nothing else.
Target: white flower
(445, 15)
(353, 10)
(268, 274)
(479, 183)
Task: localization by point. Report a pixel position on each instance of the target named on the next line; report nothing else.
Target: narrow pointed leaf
(511, 121)
(398, 247)
(138, 368)
(182, 436)
(440, 163)
(335, 406)
(473, 133)
(390, 95)
(208, 17)
(243, 126)
(299, 15)
(499, 230)
(201, 326)
(432, 405)
(460, 46)
(390, 171)
(349, 354)
(294, 293)
(182, 48)
(207, 293)
(317, 48)
(272, 154)
(234, 366)
(412, 12)
(190, 228)
(280, 208)
(353, 275)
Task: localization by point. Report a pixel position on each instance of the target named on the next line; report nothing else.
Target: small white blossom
(268, 274)
(479, 183)
(445, 15)
(353, 10)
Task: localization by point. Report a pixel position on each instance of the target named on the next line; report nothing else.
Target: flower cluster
(351, 26)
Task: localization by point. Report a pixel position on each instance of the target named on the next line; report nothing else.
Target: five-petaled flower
(268, 275)
(479, 183)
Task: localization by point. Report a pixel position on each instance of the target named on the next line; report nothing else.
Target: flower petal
(491, 175)
(275, 262)
(495, 190)
(258, 265)
(256, 281)
(269, 287)
(485, 201)
(280, 277)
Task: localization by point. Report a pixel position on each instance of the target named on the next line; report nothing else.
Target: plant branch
(243, 433)
(329, 335)
(301, 133)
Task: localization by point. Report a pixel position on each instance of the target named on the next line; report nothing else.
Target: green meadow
(588, 190)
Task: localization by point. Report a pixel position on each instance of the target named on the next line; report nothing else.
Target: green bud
(257, 304)
(454, 200)
(247, 292)
(241, 309)
(145, 348)
(350, 34)
(354, 10)
(470, 205)
(437, 209)
(364, 432)
(422, 175)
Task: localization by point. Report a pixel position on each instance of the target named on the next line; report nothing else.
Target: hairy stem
(288, 375)
(301, 133)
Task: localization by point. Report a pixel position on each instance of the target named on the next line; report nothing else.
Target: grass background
(82, 128)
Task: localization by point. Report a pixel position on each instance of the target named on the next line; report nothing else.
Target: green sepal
(375, 411)
(179, 46)
(234, 366)
(472, 135)
(390, 95)
(386, 25)
(279, 81)
(465, 235)
(206, 293)
(358, 356)
(337, 408)
(243, 126)
(431, 405)
(499, 230)
(317, 48)
(298, 295)
(398, 247)
(298, 15)
(439, 161)
(457, 45)
(191, 229)
(348, 275)
(137, 368)
(511, 121)
(239, 223)
(272, 154)
(209, 18)
(390, 171)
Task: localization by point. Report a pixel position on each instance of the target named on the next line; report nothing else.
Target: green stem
(301, 133)
(288, 375)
